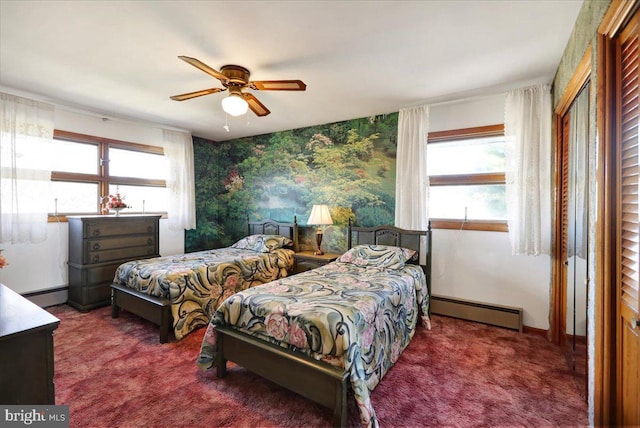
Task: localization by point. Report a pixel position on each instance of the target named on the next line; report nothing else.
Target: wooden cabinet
(98, 245)
(307, 260)
(26, 351)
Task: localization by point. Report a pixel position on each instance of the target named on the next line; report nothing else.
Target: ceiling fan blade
(195, 94)
(255, 105)
(204, 67)
(278, 85)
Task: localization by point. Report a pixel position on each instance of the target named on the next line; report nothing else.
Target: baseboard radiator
(501, 316)
(51, 297)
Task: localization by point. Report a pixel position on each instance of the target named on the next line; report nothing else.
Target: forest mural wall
(348, 165)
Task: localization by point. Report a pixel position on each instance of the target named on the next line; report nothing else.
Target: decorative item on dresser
(26, 351)
(307, 260)
(98, 245)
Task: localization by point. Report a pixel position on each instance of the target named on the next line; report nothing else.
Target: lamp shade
(320, 215)
(234, 105)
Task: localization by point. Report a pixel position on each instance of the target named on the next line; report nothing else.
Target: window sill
(482, 225)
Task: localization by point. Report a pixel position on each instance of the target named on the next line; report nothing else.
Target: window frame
(467, 179)
(102, 178)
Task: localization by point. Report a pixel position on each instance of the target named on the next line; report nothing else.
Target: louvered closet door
(628, 228)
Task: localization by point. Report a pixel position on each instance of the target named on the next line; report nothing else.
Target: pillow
(263, 243)
(380, 256)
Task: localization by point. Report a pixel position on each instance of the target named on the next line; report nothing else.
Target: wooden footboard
(315, 380)
(153, 309)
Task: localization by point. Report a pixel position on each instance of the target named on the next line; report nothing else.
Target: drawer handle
(150, 251)
(96, 232)
(96, 258)
(149, 228)
(96, 246)
(149, 241)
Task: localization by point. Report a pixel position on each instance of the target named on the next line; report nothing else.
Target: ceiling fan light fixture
(236, 78)
(234, 105)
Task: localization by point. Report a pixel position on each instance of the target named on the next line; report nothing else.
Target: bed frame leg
(165, 319)
(164, 333)
(221, 368)
(115, 310)
(340, 412)
(221, 365)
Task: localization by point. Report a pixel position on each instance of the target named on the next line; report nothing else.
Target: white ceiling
(358, 58)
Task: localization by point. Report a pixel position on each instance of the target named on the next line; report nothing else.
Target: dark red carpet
(114, 373)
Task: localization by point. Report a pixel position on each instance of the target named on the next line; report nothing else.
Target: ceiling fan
(236, 78)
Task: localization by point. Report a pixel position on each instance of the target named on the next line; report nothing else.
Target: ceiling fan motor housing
(236, 75)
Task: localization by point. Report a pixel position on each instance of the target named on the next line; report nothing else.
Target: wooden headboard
(417, 240)
(272, 227)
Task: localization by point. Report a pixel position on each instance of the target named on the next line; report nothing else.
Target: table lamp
(320, 216)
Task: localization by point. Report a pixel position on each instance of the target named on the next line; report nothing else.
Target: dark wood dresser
(98, 244)
(26, 351)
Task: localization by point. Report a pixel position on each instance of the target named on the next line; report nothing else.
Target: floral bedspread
(196, 283)
(359, 318)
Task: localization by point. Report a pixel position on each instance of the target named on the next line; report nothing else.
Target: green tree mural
(348, 165)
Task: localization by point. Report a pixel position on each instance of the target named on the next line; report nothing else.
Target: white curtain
(527, 127)
(412, 181)
(178, 148)
(26, 134)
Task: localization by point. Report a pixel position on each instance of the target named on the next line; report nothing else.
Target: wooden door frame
(558, 291)
(605, 386)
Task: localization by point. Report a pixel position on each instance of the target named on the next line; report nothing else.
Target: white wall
(38, 267)
(477, 265)
(466, 264)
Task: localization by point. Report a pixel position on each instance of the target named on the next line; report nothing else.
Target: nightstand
(306, 260)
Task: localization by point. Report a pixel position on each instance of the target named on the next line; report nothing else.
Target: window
(467, 180)
(87, 168)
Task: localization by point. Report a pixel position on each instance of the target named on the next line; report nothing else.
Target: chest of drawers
(98, 245)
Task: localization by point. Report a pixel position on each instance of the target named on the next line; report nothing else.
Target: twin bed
(336, 327)
(318, 333)
(182, 292)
